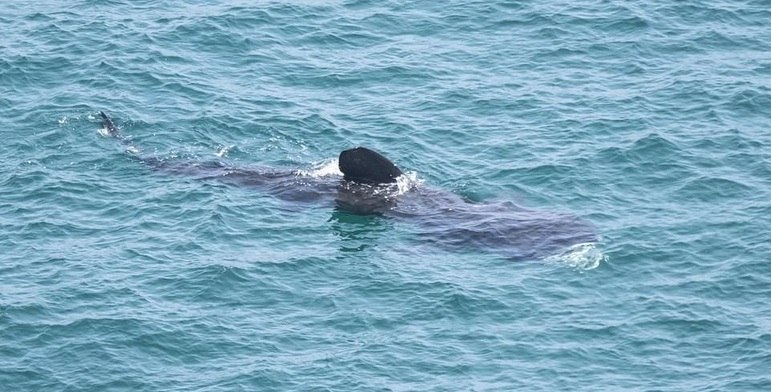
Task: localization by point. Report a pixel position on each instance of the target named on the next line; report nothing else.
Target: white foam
(328, 167)
(407, 181)
(224, 150)
(585, 256)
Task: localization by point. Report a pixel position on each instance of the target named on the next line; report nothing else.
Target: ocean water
(647, 122)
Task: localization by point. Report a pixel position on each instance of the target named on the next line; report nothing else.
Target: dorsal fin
(363, 165)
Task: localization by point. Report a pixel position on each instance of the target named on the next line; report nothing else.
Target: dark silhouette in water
(368, 167)
(372, 184)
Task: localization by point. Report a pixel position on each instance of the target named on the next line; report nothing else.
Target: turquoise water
(648, 122)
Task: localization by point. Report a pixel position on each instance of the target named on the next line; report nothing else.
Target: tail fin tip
(109, 126)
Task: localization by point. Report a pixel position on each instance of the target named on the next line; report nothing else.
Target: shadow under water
(440, 217)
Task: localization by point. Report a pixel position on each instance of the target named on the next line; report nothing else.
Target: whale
(371, 184)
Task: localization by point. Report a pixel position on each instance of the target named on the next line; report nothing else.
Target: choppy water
(649, 122)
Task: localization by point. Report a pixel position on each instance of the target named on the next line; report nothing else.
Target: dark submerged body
(369, 186)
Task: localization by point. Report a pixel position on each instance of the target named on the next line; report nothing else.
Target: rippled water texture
(640, 128)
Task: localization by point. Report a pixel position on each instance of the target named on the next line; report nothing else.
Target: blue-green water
(649, 121)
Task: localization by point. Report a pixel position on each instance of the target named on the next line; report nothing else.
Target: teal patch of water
(648, 122)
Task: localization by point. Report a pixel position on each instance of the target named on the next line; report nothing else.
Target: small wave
(404, 183)
(104, 132)
(584, 256)
(407, 181)
(223, 151)
(328, 167)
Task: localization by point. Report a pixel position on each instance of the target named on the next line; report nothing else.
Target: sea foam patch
(327, 167)
(584, 256)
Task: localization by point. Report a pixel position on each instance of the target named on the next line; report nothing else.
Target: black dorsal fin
(363, 165)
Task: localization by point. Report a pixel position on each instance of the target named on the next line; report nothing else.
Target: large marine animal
(372, 184)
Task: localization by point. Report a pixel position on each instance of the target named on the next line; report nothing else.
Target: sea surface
(648, 122)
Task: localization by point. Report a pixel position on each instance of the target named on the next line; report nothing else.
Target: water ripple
(639, 126)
